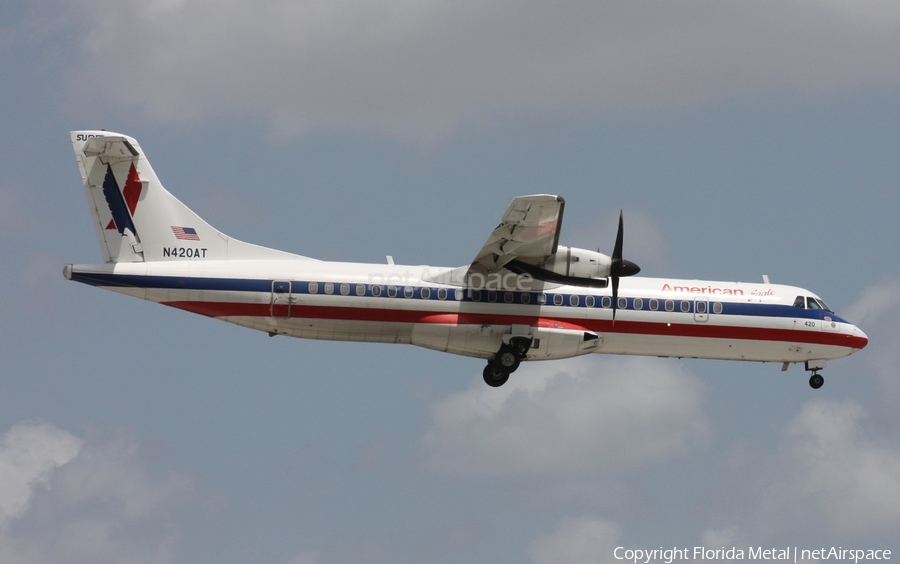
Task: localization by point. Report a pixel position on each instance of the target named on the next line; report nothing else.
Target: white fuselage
(405, 304)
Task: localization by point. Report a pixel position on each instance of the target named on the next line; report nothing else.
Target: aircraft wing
(528, 233)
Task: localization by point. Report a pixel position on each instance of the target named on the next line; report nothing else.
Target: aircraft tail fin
(136, 218)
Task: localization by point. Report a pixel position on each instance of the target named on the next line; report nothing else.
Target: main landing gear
(506, 361)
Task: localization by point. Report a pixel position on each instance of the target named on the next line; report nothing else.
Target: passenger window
(458, 295)
(313, 287)
(376, 290)
(542, 299)
(392, 291)
(573, 300)
(654, 304)
(508, 297)
(476, 295)
(638, 303)
(670, 305)
(408, 291)
(701, 307)
(329, 288)
(685, 306)
(717, 307)
(623, 303)
(442, 293)
(606, 301)
(426, 293)
(557, 299)
(360, 289)
(589, 301)
(345, 289)
(492, 296)
(526, 298)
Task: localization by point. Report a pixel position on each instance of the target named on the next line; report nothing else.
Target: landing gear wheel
(507, 359)
(505, 362)
(495, 375)
(816, 381)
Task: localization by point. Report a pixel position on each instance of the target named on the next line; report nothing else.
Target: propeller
(619, 267)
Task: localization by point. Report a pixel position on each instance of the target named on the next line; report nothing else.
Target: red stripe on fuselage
(702, 330)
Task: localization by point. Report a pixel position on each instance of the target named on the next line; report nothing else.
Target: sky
(740, 139)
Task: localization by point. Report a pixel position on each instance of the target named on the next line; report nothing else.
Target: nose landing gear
(816, 380)
(506, 361)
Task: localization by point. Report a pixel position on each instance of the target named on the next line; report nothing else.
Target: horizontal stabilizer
(110, 149)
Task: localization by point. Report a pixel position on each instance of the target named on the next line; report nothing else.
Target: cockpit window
(809, 302)
(813, 303)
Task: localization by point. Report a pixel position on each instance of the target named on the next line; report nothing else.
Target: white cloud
(29, 453)
(726, 537)
(420, 69)
(577, 540)
(569, 417)
(834, 472)
(306, 557)
(831, 477)
(875, 313)
(66, 500)
(877, 301)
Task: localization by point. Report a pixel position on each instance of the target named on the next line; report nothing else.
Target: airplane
(524, 297)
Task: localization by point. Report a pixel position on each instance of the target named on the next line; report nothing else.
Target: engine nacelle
(572, 262)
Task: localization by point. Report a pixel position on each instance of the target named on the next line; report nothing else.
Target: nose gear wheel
(816, 381)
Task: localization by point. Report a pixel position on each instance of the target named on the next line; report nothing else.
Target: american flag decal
(185, 233)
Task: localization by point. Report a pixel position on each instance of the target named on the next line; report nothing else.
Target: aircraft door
(701, 310)
(280, 303)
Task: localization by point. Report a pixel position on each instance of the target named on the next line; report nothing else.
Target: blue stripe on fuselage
(302, 287)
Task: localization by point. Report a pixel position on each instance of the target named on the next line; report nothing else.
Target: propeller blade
(615, 297)
(619, 266)
(614, 267)
(617, 250)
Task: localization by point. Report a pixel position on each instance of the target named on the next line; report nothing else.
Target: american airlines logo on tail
(122, 205)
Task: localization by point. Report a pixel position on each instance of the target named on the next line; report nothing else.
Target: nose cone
(859, 339)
